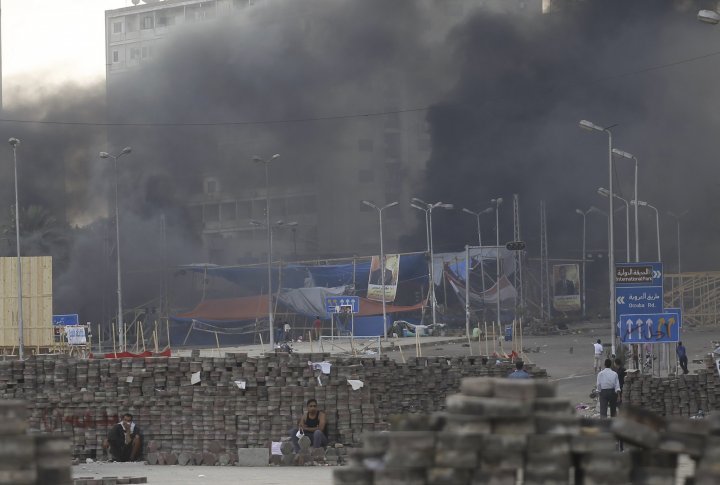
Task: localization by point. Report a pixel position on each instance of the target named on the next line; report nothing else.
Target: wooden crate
(37, 301)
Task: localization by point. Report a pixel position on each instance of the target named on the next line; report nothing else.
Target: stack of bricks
(681, 395)
(240, 401)
(508, 431)
(27, 459)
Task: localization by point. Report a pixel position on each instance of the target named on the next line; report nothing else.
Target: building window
(117, 27)
(212, 186)
(146, 52)
(165, 20)
(366, 176)
(392, 145)
(211, 213)
(228, 211)
(365, 145)
(134, 53)
(147, 22)
(116, 56)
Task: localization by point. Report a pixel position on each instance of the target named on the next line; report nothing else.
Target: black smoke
(504, 92)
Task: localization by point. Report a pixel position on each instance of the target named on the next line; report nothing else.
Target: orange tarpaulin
(252, 307)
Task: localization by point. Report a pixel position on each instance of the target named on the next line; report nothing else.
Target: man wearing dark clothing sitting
(312, 425)
(124, 440)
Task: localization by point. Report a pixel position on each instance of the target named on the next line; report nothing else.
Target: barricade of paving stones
(675, 395)
(505, 431)
(239, 402)
(30, 459)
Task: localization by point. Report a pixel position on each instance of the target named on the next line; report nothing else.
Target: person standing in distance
(608, 387)
(598, 356)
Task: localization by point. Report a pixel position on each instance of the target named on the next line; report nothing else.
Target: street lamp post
(14, 142)
(266, 163)
(584, 216)
(382, 256)
(677, 218)
(657, 224)
(588, 125)
(120, 322)
(482, 265)
(496, 203)
(428, 208)
(605, 193)
(630, 156)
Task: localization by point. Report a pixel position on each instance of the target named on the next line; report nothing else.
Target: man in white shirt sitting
(608, 387)
(598, 355)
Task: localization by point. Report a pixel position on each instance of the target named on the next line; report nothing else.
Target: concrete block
(253, 457)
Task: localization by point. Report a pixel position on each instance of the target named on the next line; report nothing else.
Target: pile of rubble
(201, 410)
(505, 431)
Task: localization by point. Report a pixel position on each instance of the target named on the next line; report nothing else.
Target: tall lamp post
(482, 265)
(382, 255)
(657, 224)
(428, 208)
(496, 203)
(589, 125)
(14, 142)
(677, 218)
(584, 216)
(630, 156)
(120, 322)
(606, 193)
(266, 163)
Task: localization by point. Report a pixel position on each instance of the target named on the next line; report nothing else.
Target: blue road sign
(678, 311)
(334, 304)
(638, 274)
(65, 320)
(649, 328)
(639, 299)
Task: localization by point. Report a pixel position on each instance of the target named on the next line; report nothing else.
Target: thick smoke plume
(504, 94)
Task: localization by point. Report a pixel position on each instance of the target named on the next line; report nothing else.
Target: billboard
(566, 284)
(386, 274)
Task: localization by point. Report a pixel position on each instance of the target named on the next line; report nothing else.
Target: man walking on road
(608, 387)
(598, 355)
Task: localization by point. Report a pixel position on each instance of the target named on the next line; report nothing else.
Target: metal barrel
(53, 459)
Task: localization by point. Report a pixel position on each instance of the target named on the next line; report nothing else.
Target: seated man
(124, 440)
(312, 424)
(519, 373)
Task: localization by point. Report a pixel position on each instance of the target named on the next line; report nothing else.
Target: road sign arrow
(656, 274)
(621, 301)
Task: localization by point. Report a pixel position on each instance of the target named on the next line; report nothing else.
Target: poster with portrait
(566, 287)
(386, 274)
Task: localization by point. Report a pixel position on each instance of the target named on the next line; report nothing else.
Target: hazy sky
(50, 41)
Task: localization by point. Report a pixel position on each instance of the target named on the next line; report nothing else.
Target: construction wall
(85, 397)
(37, 301)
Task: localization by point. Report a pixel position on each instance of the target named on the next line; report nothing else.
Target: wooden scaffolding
(698, 294)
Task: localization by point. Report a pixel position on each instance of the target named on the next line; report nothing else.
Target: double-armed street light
(382, 256)
(266, 163)
(482, 265)
(121, 324)
(657, 224)
(605, 193)
(589, 125)
(14, 143)
(428, 208)
(496, 203)
(630, 156)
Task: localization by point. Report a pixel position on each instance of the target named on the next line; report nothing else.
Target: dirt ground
(568, 360)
